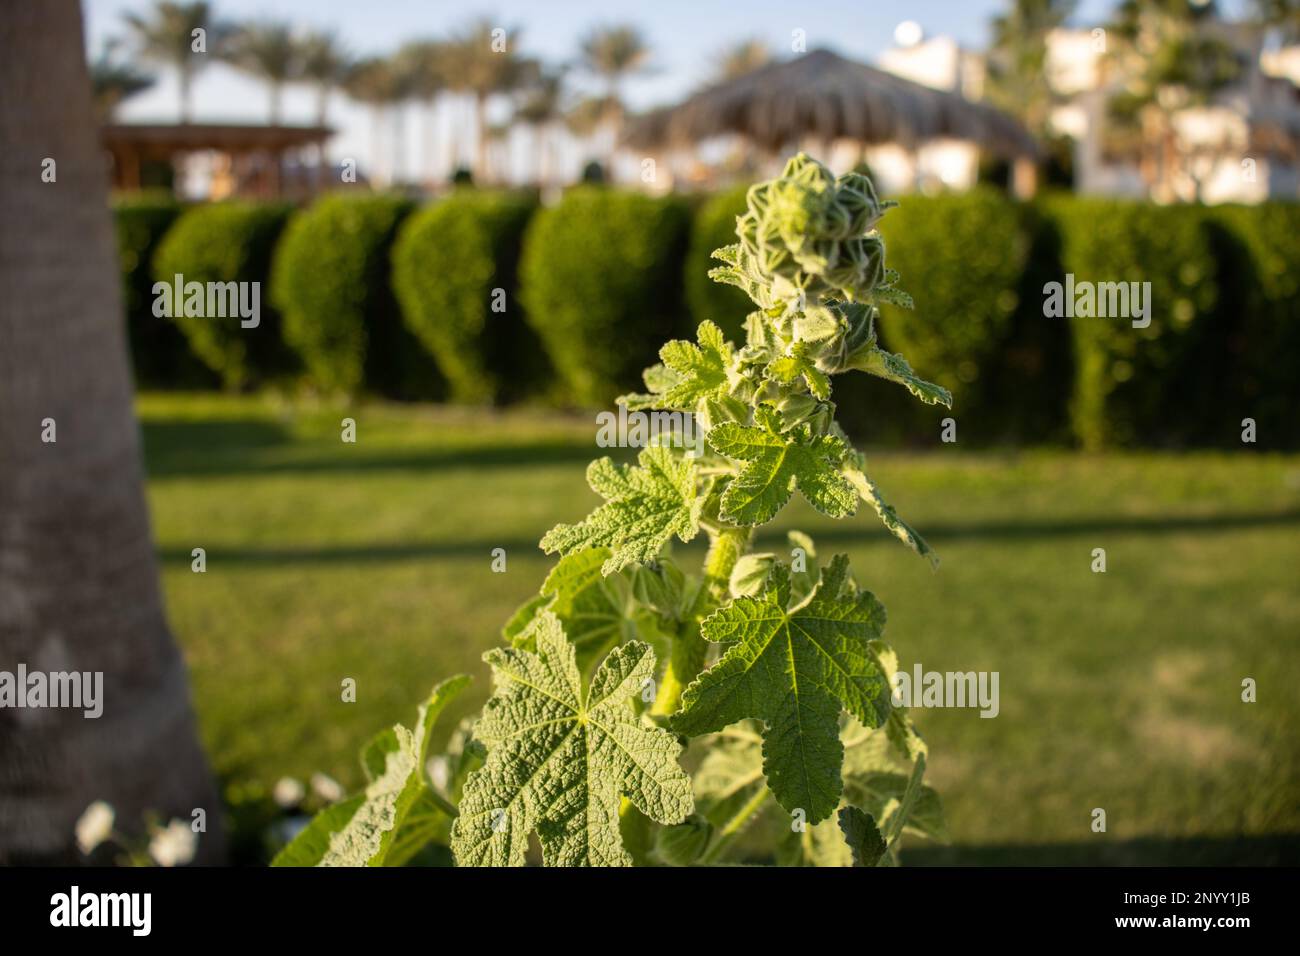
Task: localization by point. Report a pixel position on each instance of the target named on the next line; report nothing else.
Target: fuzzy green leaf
(798, 363)
(597, 613)
(895, 368)
(702, 369)
(559, 758)
(364, 833)
(645, 505)
(776, 465)
(730, 776)
(794, 668)
(900, 529)
(863, 838)
(688, 374)
(684, 843)
(878, 771)
(313, 841)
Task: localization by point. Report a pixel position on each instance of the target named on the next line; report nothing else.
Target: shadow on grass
(461, 548)
(178, 449)
(176, 437)
(409, 551)
(1281, 849)
(1118, 524)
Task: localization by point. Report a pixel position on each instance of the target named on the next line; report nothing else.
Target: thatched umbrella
(825, 96)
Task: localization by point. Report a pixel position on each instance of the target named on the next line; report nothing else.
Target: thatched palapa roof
(822, 94)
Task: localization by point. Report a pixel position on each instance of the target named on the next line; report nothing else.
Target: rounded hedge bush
(601, 280)
(159, 353)
(975, 264)
(1152, 384)
(961, 258)
(455, 270)
(1264, 347)
(331, 282)
(228, 242)
(714, 226)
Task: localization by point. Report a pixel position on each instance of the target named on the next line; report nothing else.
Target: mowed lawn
(1120, 691)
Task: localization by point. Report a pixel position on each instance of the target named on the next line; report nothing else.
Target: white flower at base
(95, 826)
(174, 845)
(327, 788)
(288, 792)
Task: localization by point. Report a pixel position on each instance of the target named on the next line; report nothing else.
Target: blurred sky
(685, 36)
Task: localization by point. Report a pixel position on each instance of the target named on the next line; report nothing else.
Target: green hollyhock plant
(774, 671)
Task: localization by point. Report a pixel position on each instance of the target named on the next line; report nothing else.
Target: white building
(1241, 147)
(940, 63)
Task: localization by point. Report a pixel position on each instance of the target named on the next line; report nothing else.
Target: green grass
(1119, 690)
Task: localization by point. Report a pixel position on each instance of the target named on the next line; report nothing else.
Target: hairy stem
(728, 834)
(690, 649)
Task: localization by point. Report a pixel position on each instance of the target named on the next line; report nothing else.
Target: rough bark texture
(78, 579)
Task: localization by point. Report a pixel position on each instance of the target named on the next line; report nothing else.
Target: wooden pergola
(255, 154)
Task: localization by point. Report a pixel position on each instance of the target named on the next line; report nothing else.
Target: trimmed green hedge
(714, 226)
(1155, 384)
(447, 263)
(601, 284)
(960, 257)
(1264, 347)
(331, 282)
(603, 276)
(159, 353)
(228, 242)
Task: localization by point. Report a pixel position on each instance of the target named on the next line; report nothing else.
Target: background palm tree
(1017, 57)
(1171, 57)
(78, 574)
(480, 64)
(1280, 15)
(613, 53)
(423, 67)
(166, 35)
(374, 82)
(267, 51)
(745, 57)
(112, 81)
(322, 62)
(542, 110)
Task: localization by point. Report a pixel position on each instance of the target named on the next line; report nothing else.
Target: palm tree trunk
(399, 141)
(430, 121)
(480, 132)
(185, 92)
(78, 578)
(322, 103)
(275, 103)
(376, 151)
(616, 129)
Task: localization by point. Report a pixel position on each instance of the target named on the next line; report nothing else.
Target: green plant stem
(690, 650)
(728, 834)
(689, 653)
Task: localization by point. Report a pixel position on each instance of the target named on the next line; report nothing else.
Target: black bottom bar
(926, 904)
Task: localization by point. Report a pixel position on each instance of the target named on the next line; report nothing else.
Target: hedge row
(228, 242)
(1262, 349)
(568, 303)
(332, 282)
(158, 349)
(455, 270)
(601, 286)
